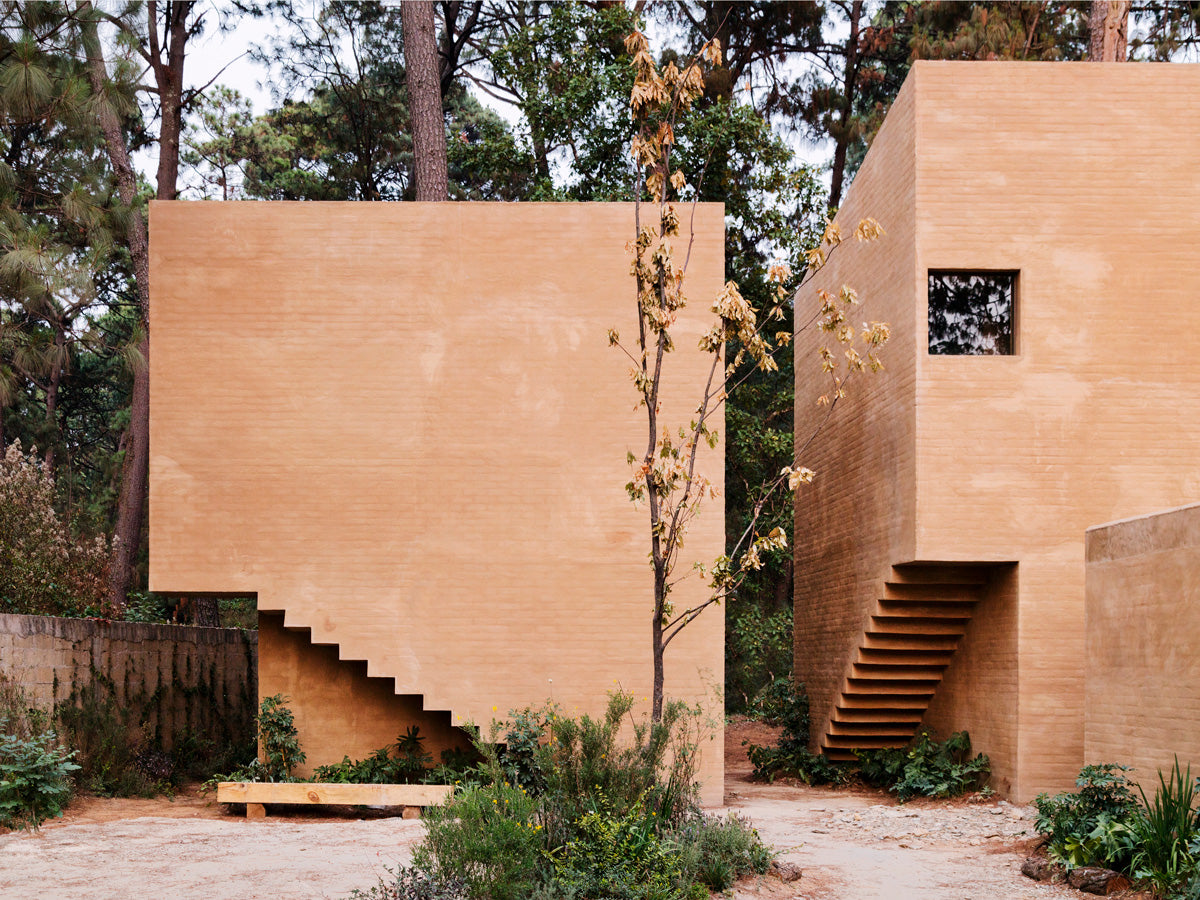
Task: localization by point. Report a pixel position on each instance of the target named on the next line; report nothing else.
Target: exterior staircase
(909, 640)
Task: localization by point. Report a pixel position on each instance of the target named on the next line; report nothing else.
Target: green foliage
(791, 757)
(618, 854)
(44, 569)
(717, 851)
(35, 779)
(758, 656)
(35, 772)
(413, 884)
(404, 762)
(926, 768)
(489, 837)
(278, 739)
(582, 808)
(1086, 827)
(118, 756)
(1165, 832)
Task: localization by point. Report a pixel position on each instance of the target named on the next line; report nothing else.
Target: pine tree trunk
(131, 502)
(849, 83)
(425, 100)
(1108, 31)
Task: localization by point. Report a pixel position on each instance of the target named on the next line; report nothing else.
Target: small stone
(1041, 869)
(1096, 880)
(785, 871)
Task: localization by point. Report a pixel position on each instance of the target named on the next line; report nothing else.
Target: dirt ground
(851, 845)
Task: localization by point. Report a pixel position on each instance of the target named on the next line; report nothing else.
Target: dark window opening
(972, 313)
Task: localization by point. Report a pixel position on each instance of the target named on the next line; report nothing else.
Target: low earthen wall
(1143, 636)
(174, 678)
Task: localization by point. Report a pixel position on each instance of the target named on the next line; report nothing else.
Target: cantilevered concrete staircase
(909, 640)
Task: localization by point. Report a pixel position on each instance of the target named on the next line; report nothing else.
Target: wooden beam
(256, 792)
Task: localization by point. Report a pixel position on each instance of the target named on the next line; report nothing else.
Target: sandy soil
(852, 845)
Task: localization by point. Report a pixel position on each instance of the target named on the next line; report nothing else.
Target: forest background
(91, 94)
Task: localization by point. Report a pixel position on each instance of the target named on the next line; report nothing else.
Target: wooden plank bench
(256, 794)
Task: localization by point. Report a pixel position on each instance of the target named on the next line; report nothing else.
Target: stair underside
(910, 640)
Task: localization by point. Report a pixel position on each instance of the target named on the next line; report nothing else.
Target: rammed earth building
(1041, 278)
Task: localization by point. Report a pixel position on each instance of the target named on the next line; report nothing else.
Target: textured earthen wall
(341, 711)
(1082, 177)
(856, 519)
(1143, 630)
(1074, 176)
(172, 677)
(403, 427)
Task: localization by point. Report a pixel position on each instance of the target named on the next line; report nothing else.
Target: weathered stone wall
(1143, 630)
(176, 678)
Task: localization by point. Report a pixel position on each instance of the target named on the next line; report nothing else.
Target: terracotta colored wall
(856, 519)
(1082, 178)
(1143, 628)
(179, 678)
(342, 712)
(401, 425)
(1069, 174)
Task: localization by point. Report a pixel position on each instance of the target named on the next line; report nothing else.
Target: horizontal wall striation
(202, 680)
(1143, 627)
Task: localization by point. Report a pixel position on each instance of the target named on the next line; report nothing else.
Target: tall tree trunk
(1108, 31)
(134, 471)
(52, 391)
(845, 131)
(425, 100)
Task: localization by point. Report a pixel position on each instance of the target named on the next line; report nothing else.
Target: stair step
(894, 671)
(862, 742)
(861, 702)
(916, 656)
(898, 730)
(856, 684)
(912, 716)
(973, 575)
(892, 606)
(833, 754)
(943, 626)
(891, 641)
(933, 593)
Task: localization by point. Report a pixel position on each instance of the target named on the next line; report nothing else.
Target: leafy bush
(1089, 826)
(619, 854)
(586, 808)
(926, 768)
(1165, 831)
(488, 836)
(717, 851)
(44, 569)
(791, 756)
(413, 884)
(117, 755)
(34, 770)
(35, 781)
(404, 762)
(278, 739)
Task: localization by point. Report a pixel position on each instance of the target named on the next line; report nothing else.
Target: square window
(972, 313)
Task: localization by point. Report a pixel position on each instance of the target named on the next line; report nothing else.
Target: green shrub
(926, 768)
(717, 851)
(404, 762)
(117, 755)
(1165, 831)
(790, 756)
(758, 653)
(413, 884)
(490, 838)
(35, 778)
(278, 739)
(1090, 826)
(618, 854)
